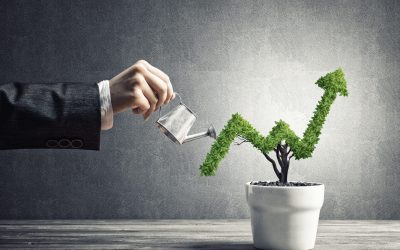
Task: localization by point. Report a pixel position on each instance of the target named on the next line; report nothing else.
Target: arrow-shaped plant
(281, 139)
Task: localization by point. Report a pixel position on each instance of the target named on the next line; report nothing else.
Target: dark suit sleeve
(49, 115)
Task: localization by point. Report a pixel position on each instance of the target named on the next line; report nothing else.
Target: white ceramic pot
(284, 217)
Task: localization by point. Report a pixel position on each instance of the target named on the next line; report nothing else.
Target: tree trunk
(284, 175)
(282, 153)
(283, 158)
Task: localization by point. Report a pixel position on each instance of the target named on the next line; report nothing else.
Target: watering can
(177, 123)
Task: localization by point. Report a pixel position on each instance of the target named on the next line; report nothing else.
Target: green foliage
(333, 83)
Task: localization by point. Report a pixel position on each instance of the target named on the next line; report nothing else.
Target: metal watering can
(177, 123)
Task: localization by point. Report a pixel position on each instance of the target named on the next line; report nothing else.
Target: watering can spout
(210, 132)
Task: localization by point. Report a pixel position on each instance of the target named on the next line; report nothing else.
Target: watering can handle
(180, 102)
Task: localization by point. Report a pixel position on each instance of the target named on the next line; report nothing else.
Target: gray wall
(258, 58)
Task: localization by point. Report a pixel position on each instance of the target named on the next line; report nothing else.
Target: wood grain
(182, 234)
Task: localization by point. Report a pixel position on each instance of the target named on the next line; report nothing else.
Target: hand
(142, 88)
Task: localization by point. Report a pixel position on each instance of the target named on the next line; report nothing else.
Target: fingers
(141, 104)
(151, 84)
(158, 85)
(149, 94)
(170, 93)
(142, 88)
(164, 77)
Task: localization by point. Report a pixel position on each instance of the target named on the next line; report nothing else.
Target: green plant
(281, 139)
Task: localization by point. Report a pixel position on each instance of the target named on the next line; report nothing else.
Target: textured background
(259, 58)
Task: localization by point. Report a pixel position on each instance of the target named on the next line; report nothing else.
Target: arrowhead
(334, 81)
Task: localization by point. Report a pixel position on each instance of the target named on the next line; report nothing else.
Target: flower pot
(284, 217)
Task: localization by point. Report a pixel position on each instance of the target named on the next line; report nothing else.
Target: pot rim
(288, 187)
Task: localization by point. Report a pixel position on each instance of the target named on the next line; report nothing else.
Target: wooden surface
(183, 234)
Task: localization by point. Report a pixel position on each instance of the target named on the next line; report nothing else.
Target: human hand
(142, 88)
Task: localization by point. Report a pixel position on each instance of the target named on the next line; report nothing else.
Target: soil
(279, 184)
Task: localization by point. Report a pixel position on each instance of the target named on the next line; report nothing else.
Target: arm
(43, 115)
(70, 115)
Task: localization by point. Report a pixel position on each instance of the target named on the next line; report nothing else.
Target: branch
(282, 150)
(240, 143)
(278, 157)
(278, 174)
(241, 138)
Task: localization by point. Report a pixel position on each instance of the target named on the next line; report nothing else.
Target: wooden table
(182, 234)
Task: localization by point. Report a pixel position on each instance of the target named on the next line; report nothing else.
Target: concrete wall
(258, 58)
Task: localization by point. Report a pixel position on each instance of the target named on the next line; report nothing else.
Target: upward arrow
(332, 83)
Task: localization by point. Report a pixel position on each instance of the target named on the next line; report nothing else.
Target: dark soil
(279, 184)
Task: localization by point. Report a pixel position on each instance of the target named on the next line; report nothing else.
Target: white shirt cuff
(105, 105)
